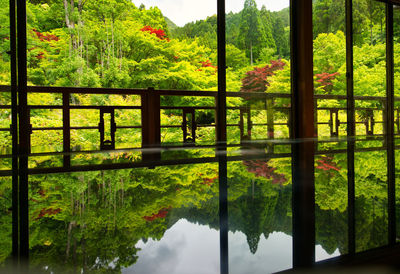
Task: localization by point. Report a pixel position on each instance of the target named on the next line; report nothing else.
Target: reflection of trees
(331, 230)
(5, 218)
(94, 220)
(371, 223)
(252, 210)
(255, 207)
(90, 249)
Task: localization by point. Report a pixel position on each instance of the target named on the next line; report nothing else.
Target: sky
(184, 11)
(193, 248)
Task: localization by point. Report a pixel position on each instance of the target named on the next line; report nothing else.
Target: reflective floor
(166, 219)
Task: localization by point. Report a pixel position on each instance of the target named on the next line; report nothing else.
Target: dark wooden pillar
(221, 97)
(302, 129)
(151, 128)
(221, 139)
(351, 132)
(24, 131)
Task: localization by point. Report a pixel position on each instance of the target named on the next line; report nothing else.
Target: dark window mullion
(350, 128)
(221, 139)
(390, 126)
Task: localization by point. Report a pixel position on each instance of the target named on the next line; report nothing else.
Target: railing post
(316, 118)
(66, 130)
(384, 117)
(270, 118)
(244, 134)
(334, 122)
(269, 104)
(249, 122)
(151, 128)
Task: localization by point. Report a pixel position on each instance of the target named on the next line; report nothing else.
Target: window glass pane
(331, 128)
(370, 99)
(124, 44)
(259, 87)
(258, 70)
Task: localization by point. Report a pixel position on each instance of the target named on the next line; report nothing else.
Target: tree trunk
(70, 227)
(115, 202)
(112, 38)
(104, 187)
(88, 196)
(120, 54)
(371, 35)
(69, 9)
(102, 59)
(251, 53)
(66, 10)
(252, 188)
(107, 47)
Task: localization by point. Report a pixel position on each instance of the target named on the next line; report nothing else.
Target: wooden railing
(150, 108)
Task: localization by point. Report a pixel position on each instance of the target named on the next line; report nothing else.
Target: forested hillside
(115, 44)
(267, 32)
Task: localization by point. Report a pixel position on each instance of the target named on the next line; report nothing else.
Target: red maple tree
(162, 213)
(160, 33)
(326, 80)
(257, 80)
(40, 55)
(48, 212)
(208, 64)
(327, 164)
(262, 169)
(209, 181)
(45, 37)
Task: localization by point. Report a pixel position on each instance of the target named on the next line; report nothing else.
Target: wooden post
(302, 129)
(66, 130)
(151, 127)
(24, 131)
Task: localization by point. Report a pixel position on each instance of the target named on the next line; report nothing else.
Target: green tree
(328, 16)
(252, 34)
(281, 38)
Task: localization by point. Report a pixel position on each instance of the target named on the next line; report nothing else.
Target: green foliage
(252, 33)
(328, 16)
(235, 58)
(329, 52)
(281, 37)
